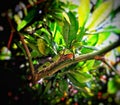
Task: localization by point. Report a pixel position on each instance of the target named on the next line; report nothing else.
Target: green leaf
(75, 82)
(63, 85)
(73, 27)
(69, 31)
(90, 44)
(115, 12)
(59, 39)
(100, 14)
(82, 77)
(48, 86)
(83, 12)
(87, 66)
(112, 29)
(66, 17)
(102, 37)
(31, 14)
(98, 3)
(72, 6)
(117, 31)
(35, 53)
(111, 86)
(65, 31)
(92, 40)
(41, 46)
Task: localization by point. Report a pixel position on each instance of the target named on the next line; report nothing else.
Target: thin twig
(111, 67)
(12, 31)
(102, 58)
(28, 53)
(36, 3)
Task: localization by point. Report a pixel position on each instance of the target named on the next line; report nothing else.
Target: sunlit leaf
(59, 38)
(56, 33)
(111, 86)
(112, 29)
(31, 14)
(17, 19)
(83, 11)
(69, 31)
(41, 46)
(75, 82)
(82, 77)
(102, 37)
(88, 66)
(66, 17)
(90, 44)
(100, 14)
(72, 6)
(92, 40)
(118, 49)
(98, 2)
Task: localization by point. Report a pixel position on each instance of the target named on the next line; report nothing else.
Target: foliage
(65, 61)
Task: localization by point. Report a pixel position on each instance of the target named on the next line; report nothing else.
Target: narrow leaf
(47, 87)
(115, 12)
(73, 27)
(98, 2)
(102, 37)
(41, 46)
(31, 14)
(83, 11)
(75, 82)
(100, 14)
(65, 32)
(69, 31)
(66, 17)
(81, 77)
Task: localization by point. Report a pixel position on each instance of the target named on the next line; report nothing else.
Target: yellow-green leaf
(100, 14)
(41, 45)
(83, 11)
(28, 18)
(17, 19)
(66, 17)
(102, 37)
(82, 77)
(111, 88)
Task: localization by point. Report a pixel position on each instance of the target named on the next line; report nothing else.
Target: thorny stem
(80, 58)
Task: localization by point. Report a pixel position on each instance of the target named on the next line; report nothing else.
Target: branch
(28, 54)
(69, 62)
(13, 31)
